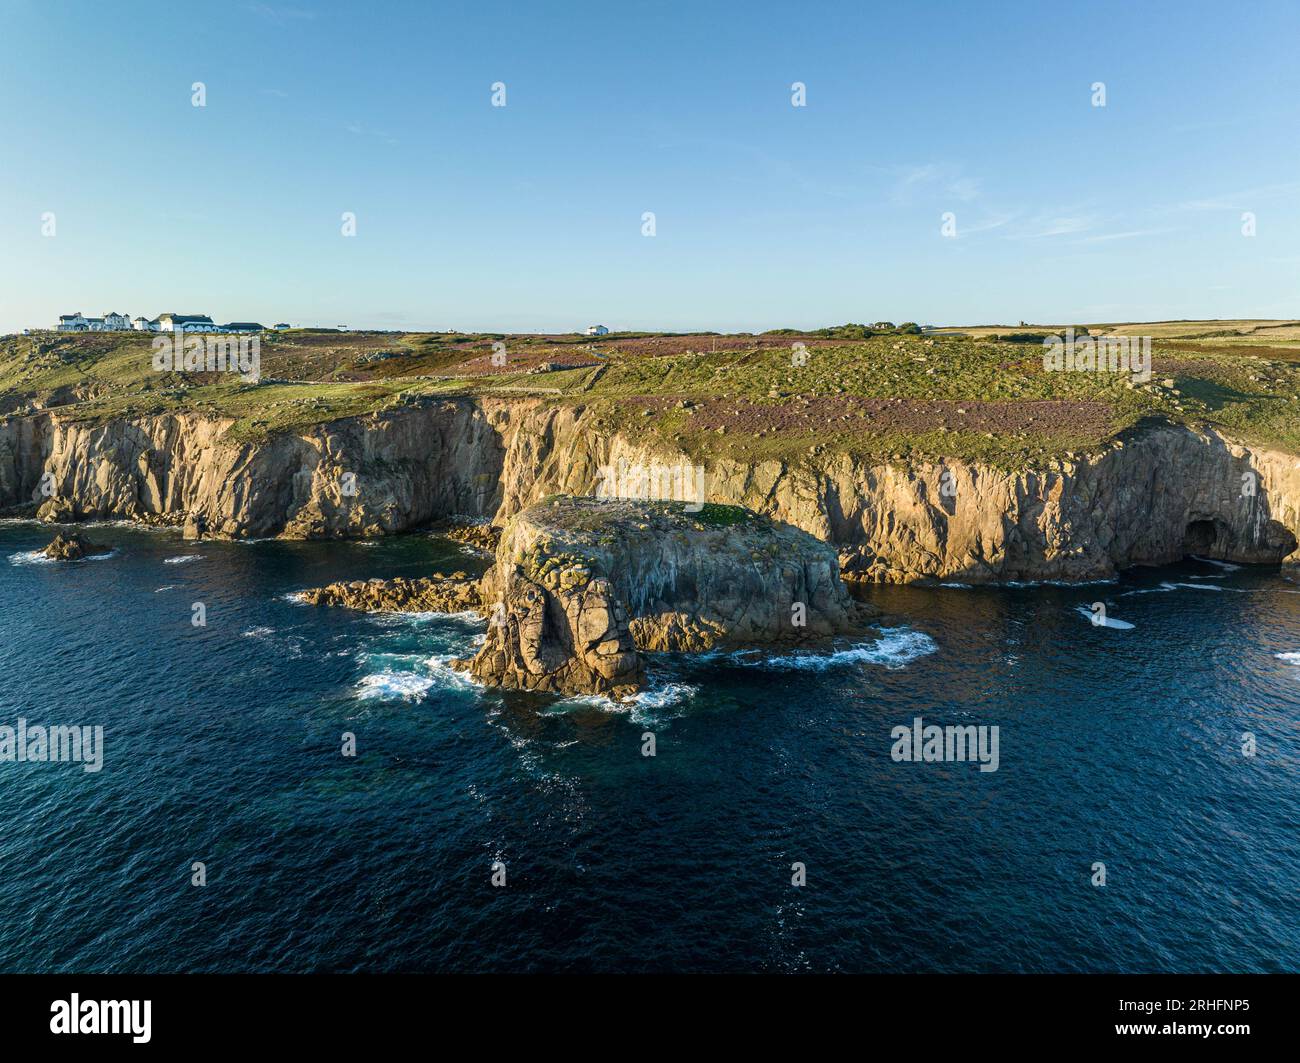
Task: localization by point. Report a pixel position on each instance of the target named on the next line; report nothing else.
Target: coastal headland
(954, 457)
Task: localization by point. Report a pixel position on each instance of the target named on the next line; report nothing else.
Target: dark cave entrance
(1201, 535)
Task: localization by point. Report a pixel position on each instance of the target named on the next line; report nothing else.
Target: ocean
(1120, 745)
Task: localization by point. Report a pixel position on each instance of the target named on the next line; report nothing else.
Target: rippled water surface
(1118, 744)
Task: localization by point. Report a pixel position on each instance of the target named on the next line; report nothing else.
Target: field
(980, 395)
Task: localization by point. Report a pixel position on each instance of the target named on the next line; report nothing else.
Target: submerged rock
(73, 547)
(581, 585)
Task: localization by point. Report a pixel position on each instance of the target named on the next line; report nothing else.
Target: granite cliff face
(561, 631)
(353, 478)
(1162, 493)
(580, 585)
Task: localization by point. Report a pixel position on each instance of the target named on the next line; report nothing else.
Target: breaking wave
(394, 686)
(896, 648)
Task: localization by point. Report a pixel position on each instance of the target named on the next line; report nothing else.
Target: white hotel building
(162, 323)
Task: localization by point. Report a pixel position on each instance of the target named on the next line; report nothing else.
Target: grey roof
(183, 318)
(248, 325)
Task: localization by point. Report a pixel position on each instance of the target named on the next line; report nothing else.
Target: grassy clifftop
(787, 396)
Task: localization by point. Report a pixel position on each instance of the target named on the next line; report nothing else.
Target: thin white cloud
(1131, 234)
(994, 221)
(357, 129)
(1054, 226)
(932, 179)
(1243, 200)
(965, 189)
(281, 15)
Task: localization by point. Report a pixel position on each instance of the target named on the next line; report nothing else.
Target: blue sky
(529, 217)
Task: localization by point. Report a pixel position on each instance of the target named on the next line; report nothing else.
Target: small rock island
(73, 547)
(582, 587)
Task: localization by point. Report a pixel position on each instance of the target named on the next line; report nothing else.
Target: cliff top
(983, 395)
(618, 534)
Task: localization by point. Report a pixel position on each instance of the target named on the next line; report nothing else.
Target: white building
(77, 322)
(597, 330)
(185, 323)
(115, 322)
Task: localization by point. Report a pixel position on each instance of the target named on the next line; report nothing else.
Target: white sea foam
(663, 697)
(895, 648)
(1290, 658)
(1164, 588)
(1110, 621)
(182, 559)
(36, 557)
(447, 676)
(30, 557)
(465, 616)
(655, 698)
(369, 657)
(258, 632)
(393, 686)
(1227, 566)
(1020, 584)
(396, 617)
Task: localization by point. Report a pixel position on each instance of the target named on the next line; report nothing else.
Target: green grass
(1241, 377)
(716, 515)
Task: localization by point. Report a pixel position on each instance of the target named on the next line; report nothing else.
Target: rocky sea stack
(73, 547)
(582, 585)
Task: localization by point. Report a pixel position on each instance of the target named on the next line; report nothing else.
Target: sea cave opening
(1200, 537)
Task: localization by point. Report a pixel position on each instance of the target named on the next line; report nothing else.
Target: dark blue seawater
(222, 745)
